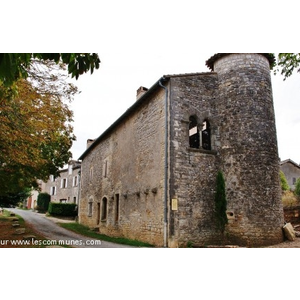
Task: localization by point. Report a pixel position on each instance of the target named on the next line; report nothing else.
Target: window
(194, 138)
(206, 135)
(63, 200)
(90, 207)
(197, 140)
(70, 169)
(53, 190)
(104, 209)
(117, 207)
(75, 180)
(91, 173)
(64, 183)
(105, 169)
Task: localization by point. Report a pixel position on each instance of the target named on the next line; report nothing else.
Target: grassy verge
(83, 230)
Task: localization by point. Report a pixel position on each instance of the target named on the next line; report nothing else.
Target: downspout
(166, 164)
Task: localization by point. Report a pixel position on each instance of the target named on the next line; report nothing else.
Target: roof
(135, 106)
(289, 161)
(210, 62)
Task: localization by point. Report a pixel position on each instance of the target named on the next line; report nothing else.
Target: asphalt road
(58, 235)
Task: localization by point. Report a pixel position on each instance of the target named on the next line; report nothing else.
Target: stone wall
(126, 167)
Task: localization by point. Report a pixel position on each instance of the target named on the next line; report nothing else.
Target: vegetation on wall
(220, 202)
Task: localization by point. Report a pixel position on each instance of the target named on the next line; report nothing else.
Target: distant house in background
(65, 188)
(291, 171)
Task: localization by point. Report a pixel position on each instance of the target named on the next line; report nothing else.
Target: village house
(65, 187)
(291, 171)
(151, 175)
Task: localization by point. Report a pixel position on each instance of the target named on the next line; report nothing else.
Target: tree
(284, 184)
(36, 134)
(14, 66)
(297, 187)
(288, 63)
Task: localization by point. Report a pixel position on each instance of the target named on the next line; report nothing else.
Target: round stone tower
(248, 148)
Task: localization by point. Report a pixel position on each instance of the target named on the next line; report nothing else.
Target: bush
(43, 202)
(297, 187)
(284, 184)
(63, 209)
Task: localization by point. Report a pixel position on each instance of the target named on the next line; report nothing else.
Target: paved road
(49, 229)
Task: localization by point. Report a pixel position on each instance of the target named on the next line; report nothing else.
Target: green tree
(284, 184)
(14, 66)
(221, 202)
(287, 63)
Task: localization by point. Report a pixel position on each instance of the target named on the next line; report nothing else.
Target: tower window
(206, 143)
(194, 138)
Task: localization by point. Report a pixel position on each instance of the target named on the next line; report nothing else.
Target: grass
(84, 230)
(290, 199)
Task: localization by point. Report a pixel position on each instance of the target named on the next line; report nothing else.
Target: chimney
(140, 92)
(89, 142)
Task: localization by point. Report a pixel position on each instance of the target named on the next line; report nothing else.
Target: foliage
(43, 201)
(288, 62)
(284, 184)
(12, 199)
(36, 134)
(221, 202)
(14, 66)
(63, 209)
(297, 187)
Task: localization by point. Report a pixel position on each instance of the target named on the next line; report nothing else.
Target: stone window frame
(197, 143)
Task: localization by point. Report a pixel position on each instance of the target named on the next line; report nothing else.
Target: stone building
(65, 187)
(152, 174)
(291, 171)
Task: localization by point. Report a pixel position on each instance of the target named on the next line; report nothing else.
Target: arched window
(194, 138)
(205, 135)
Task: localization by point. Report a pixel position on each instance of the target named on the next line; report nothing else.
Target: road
(54, 233)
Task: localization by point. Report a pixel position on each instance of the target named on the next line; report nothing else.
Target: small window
(90, 208)
(91, 173)
(64, 183)
(206, 144)
(294, 180)
(104, 209)
(75, 180)
(53, 190)
(105, 169)
(117, 207)
(194, 138)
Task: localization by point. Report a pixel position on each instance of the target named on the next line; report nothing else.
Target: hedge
(63, 209)
(43, 200)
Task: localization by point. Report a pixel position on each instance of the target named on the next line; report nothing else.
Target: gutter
(166, 164)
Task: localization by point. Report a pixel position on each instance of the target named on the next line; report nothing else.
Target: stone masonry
(217, 121)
